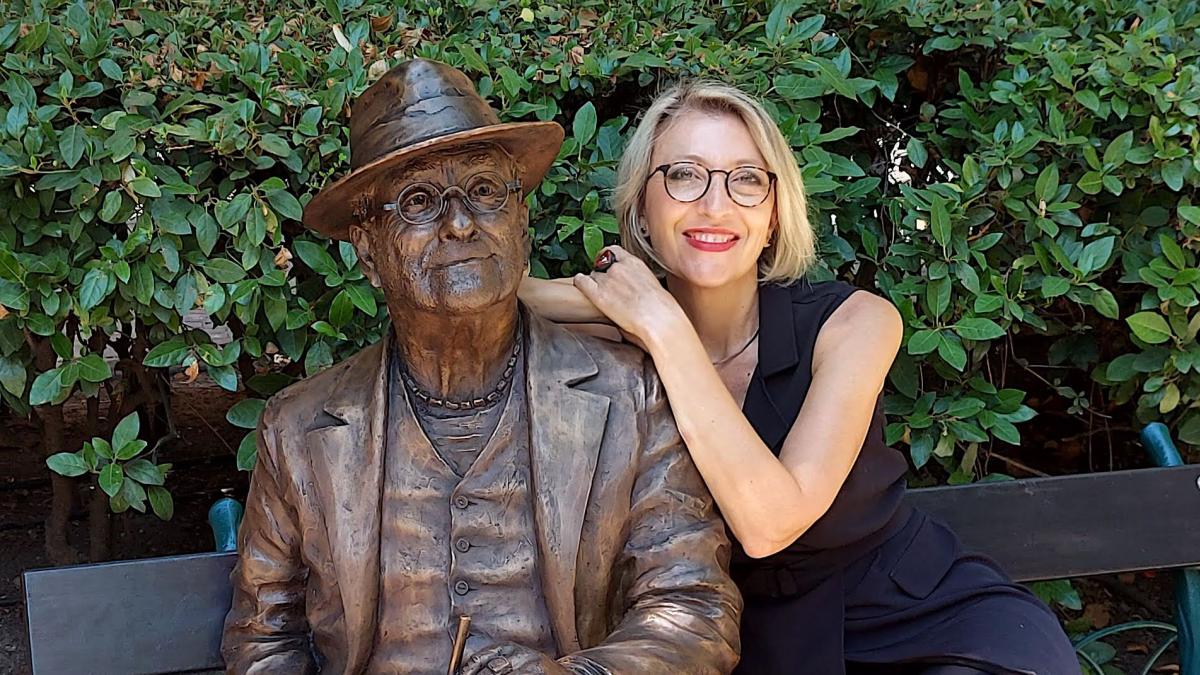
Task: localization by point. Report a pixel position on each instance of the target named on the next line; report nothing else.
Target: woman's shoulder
(814, 303)
(806, 292)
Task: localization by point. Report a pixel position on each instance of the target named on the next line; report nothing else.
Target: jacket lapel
(566, 428)
(346, 458)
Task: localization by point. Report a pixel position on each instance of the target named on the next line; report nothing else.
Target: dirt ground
(205, 471)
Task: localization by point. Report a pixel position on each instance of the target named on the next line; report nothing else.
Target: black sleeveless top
(868, 508)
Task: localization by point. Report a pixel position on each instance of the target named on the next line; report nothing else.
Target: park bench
(164, 615)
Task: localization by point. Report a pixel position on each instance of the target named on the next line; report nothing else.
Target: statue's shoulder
(308, 396)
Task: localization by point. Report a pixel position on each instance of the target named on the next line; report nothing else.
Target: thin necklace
(738, 353)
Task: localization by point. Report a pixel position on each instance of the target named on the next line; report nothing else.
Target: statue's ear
(361, 241)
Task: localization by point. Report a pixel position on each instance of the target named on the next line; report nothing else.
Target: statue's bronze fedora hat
(418, 107)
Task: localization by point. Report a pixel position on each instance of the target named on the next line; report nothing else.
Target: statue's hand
(507, 658)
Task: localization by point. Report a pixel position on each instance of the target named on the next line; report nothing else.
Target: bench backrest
(157, 615)
(165, 614)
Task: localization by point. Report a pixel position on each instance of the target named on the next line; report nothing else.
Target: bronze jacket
(632, 555)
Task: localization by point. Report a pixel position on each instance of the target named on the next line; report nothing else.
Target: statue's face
(461, 259)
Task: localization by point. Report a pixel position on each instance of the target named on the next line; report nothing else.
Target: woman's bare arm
(559, 301)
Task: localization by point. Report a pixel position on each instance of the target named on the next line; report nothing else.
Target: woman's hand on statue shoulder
(632, 298)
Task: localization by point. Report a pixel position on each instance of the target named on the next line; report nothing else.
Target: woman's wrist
(664, 330)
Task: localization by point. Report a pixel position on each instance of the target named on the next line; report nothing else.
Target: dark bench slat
(1067, 526)
(155, 615)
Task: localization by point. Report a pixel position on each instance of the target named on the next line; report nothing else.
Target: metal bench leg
(1157, 439)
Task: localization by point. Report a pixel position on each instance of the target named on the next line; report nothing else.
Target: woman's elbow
(765, 544)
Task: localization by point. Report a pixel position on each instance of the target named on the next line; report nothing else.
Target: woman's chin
(709, 276)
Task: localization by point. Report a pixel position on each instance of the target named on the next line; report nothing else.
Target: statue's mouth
(460, 261)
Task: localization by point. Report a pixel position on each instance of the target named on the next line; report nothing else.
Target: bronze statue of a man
(479, 461)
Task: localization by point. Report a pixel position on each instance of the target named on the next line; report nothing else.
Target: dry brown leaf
(381, 23)
(575, 56)
(192, 372)
(3, 312)
(283, 257)
(377, 70)
(1097, 615)
(1137, 648)
(1167, 668)
(340, 37)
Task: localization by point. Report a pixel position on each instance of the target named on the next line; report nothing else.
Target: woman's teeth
(711, 238)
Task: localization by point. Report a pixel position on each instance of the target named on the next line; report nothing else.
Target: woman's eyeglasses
(687, 182)
(422, 203)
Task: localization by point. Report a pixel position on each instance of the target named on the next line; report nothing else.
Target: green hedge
(1018, 177)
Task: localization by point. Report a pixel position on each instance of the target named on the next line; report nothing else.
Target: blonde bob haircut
(793, 250)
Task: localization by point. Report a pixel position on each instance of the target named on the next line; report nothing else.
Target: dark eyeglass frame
(510, 186)
(771, 180)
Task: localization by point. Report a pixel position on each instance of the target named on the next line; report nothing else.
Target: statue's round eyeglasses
(421, 203)
(688, 182)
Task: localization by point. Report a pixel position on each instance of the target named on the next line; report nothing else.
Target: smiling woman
(775, 385)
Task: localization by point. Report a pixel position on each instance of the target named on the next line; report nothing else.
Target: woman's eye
(682, 173)
(748, 178)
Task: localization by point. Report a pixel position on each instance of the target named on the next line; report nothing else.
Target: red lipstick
(711, 239)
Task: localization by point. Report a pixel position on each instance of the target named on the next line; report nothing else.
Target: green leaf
(225, 376)
(1114, 154)
(916, 152)
(247, 454)
(316, 257)
(341, 310)
(93, 368)
(923, 342)
(102, 448)
(50, 387)
(978, 329)
(1053, 287)
(952, 352)
(1088, 99)
(1150, 327)
(145, 187)
(1005, 431)
(286, 204)
(940, 221)
(1091, 182)
(777, 20)
(246, 413)
(363, 298)
(1047, 183)
(112, 204)
(161, 502)
(223, 270)
(111, 478)
(126, 430)
(169, 353)
(1173, 173)
(13, 375)
(130, 450)
(275, 145)
(67, 464)
(584, 125)
(144, 472)
(1106, 304)
(593, 240)
(72, 144)
(94, 288)
(1172, 251)
(1190, 214)
(1095, 255)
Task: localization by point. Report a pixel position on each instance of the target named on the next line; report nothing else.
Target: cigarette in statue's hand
(460, 643)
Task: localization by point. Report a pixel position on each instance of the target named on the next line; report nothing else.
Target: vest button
(461, 587)
(461, 502)
(462, 545)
